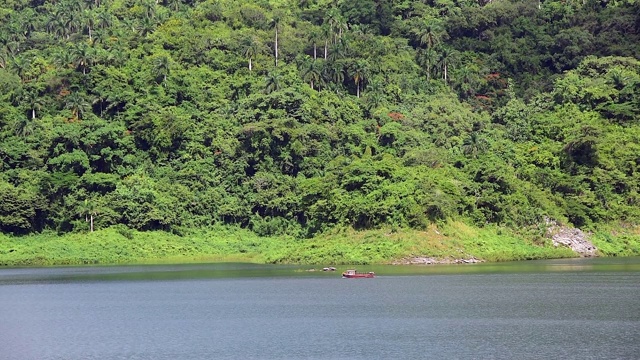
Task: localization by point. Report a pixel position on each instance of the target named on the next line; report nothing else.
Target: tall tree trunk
(314, 51)
(325, 48)
(33, 113)
(250, 67)
(445, 73)
(276, 45)
(358, 89)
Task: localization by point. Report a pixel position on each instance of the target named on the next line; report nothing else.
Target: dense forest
(298, 116)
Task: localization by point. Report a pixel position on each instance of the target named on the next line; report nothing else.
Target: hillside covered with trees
(296, 117)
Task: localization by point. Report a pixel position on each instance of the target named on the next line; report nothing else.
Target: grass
(454, 240)
(618, 239)
(118, 246)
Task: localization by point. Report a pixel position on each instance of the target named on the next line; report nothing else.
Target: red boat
(350, 274)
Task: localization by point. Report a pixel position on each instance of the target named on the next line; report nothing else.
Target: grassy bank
(617, 240)
(455, 240)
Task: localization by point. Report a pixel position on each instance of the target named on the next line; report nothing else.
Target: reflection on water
(233, 270)
(142, 272)
(559, 309)
(631, 264)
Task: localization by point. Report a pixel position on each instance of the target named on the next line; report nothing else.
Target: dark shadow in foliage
(581, 151)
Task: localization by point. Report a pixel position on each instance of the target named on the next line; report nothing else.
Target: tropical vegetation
(295, 120)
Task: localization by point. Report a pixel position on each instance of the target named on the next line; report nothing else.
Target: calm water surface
(563, 309)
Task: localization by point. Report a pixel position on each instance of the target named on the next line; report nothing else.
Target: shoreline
(452, 243)
(419, 260)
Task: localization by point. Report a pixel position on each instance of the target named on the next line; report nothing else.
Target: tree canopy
(293, 117)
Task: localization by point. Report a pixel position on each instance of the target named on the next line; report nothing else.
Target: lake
(556, 309)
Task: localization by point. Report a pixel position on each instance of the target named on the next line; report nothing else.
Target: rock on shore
(420, 260)
(573, 238)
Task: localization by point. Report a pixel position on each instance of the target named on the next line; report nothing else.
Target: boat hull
(357, 276)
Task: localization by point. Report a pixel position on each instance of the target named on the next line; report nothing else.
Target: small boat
(350, 274)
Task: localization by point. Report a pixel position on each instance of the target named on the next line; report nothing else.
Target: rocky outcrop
(573, 238)
(419, 260)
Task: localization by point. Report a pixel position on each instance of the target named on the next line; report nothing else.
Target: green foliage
(290, 119)
(618, 239)
(19, 207)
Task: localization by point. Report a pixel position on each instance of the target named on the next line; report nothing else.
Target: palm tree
(92, 3)
(83, 56)
(325, 33)
(428, 59)
(474, 145)
(74, 6)
(617, 78)
(74, 25)
(77, 104)
(24, 126)
(118, 57)
(175, 4)
(334, 72)
(100, 100)
(330, 20)
(16, 31)
(253, 47)
(150, 8)
(275, 24)
(312, 72)
(464, 79)
(314, 37)
(375, 95)
(20, 65)
(63, 58)
(273, 82)
(32, 101)
(57, 26)
(101, 36)
(51, 24)
(337, 51)
(89, 20)
(430, 33)
(104, 19)
(89, 210)
(448, 57)
(161, 67)
(146, 26)
(336, 23)
(359, 73)
(29, 20)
